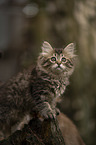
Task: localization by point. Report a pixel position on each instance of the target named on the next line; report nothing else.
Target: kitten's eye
(63, 59)
(53, 58)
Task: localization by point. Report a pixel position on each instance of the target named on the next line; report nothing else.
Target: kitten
(37, 89)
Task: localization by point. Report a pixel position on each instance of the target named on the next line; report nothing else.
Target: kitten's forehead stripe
(58, 50)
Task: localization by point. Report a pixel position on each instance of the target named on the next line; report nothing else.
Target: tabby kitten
(37, 89)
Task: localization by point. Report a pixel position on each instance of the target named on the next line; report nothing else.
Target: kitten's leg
(45, 110)
(20, 125)
(24, 121)
(43, 102)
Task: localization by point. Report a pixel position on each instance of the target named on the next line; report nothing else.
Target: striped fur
(36, 90)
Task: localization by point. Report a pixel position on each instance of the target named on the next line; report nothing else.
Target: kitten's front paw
(47, 112)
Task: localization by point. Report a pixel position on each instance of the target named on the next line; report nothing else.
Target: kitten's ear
(46, 48)
(70, 48)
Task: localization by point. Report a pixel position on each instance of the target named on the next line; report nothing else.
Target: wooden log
(37, 133)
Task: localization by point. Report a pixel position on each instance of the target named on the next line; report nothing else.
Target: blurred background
(25, 24)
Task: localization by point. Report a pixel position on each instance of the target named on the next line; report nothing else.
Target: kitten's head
(57, 60)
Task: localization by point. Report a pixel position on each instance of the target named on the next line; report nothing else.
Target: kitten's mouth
(58, 68)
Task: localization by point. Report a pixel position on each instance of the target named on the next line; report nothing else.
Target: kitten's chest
(59, 88)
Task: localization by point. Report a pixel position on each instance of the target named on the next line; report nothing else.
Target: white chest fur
(59, 90)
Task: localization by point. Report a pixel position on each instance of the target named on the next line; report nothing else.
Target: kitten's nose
(58, 63)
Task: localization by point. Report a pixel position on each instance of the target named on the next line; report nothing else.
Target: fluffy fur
(37, 89)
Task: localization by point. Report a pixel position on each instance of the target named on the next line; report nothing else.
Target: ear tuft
(70, 48)
(46, 47)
